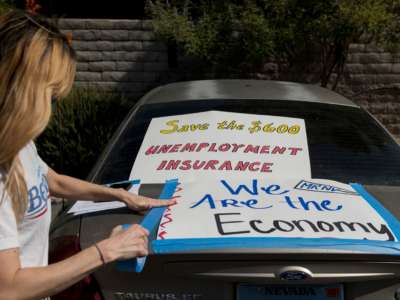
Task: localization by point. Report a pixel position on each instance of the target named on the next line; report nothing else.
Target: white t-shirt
(31, 235)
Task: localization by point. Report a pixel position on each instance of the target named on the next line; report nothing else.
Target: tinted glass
(345, 143)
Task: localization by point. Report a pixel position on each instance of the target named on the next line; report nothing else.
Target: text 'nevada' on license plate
(289, 292)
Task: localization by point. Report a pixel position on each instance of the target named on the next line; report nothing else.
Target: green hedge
(7, 5)
(79, 129)
(308, 40)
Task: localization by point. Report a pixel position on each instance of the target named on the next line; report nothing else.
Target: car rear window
(345, 143)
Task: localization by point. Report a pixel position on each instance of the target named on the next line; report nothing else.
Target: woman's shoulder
(29, 149)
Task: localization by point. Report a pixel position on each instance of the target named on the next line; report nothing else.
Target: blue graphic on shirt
(38, 196)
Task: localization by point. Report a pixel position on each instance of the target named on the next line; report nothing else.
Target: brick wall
(117, 55)
(124, 56)
(372, 79)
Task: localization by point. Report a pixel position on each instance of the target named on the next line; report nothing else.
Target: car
(345, 144)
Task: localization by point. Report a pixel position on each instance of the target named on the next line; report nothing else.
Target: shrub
(309, 40)
(79, 129)
(6, 5)
(229, 37)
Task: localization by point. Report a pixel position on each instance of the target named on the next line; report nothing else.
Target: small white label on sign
(272, 208)
(221, 144)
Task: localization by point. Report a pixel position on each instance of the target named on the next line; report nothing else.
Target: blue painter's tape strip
(130, 265)
(188, 245)
(393, 223)
(150, 222)
(132, 181)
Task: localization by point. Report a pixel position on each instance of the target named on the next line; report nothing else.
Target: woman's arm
(67, 187)
(39, 282)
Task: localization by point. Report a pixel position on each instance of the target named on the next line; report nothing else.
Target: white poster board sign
(221, 144)
(264, 208)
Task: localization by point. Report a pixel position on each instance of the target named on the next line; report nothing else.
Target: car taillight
(86, 289)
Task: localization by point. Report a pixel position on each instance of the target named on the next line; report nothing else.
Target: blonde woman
(36, 65)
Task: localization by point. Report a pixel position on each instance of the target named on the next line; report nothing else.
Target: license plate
(289, 292)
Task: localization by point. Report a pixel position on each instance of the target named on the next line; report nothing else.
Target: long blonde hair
(36, 64)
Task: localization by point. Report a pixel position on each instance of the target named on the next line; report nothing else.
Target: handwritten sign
(280, 208)
(221, 144)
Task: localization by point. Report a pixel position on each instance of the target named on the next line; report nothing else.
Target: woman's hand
(141, 203)
(67, 187)
(124, 244)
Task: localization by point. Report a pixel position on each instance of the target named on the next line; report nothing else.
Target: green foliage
(79, 129)
(303, 37)
(315, 35)
(6, 5)
(221, 33)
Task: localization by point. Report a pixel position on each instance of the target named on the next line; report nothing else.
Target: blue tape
(150, 222)
(132, 181)
(134, 264)
(392, 222)
(187, 245)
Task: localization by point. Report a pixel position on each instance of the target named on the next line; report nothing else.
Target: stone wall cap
(104, 24)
